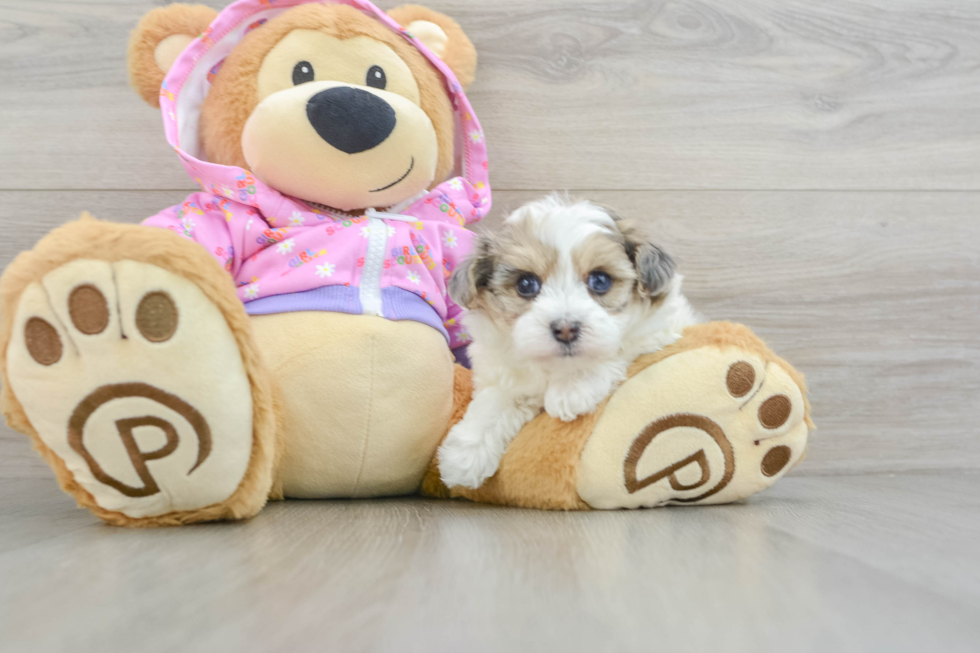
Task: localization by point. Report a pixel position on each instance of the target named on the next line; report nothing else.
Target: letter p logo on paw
(709, 425)
(707, 468)
(106, 394)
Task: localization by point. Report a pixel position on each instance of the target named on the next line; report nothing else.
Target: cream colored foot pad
(133, 378)
(703, 426)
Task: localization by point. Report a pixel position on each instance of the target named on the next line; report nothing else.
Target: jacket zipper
(374, 259)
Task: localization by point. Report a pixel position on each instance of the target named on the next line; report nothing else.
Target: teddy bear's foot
(135, 385)
(702, 426)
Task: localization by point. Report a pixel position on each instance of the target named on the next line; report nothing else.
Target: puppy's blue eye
(528, 285)
(599, 282)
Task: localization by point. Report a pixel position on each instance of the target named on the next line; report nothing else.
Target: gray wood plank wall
(815, 168)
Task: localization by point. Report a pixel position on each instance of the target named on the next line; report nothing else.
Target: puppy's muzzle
(565, 331)
(350, 119)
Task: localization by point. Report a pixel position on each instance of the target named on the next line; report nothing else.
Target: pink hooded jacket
(286, 255)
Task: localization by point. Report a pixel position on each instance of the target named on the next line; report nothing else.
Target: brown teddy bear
(286, 331)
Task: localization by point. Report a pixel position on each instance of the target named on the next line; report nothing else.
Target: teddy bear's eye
(302, 73)
(376, 77)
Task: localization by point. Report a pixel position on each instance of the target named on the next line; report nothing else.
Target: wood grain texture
(822, 564)
(601, 94)
(874, 296)
(709, 120)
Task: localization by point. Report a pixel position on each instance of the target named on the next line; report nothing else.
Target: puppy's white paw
(567, 402)
(466, 459)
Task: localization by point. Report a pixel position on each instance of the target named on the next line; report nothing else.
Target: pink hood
(286, 255)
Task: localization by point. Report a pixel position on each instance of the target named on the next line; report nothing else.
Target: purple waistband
(396, 304)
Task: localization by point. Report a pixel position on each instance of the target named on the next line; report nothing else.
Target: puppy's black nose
(351, 119)
(565, 332)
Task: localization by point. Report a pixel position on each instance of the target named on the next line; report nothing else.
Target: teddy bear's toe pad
(132, 377)
(703, 426)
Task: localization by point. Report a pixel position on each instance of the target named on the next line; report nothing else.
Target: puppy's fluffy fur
(560, 301)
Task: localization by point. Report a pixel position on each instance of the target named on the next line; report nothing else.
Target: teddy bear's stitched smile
(411, 166)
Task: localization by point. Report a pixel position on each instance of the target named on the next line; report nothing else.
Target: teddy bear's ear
(156, 42)
(443, 36)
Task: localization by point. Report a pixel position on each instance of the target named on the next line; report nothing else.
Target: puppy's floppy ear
(443, 36)
(472, 276)
(158, 39)
(654, 267)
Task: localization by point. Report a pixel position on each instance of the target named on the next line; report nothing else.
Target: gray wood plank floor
(850, 563)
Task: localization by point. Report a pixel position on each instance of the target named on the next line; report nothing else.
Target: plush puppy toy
(286, 331)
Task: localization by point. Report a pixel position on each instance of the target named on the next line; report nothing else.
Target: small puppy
(560, 301)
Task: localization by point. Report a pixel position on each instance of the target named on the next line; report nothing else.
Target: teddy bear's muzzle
(346, 146)
(350, 119)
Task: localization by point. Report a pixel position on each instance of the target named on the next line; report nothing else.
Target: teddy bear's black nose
(351, 119)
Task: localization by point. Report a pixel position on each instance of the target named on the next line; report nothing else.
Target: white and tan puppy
(560, 301)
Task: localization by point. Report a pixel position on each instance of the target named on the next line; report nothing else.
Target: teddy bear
(286, 330)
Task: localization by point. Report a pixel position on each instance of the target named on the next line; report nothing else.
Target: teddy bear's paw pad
(132, 377)
(703, 426)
